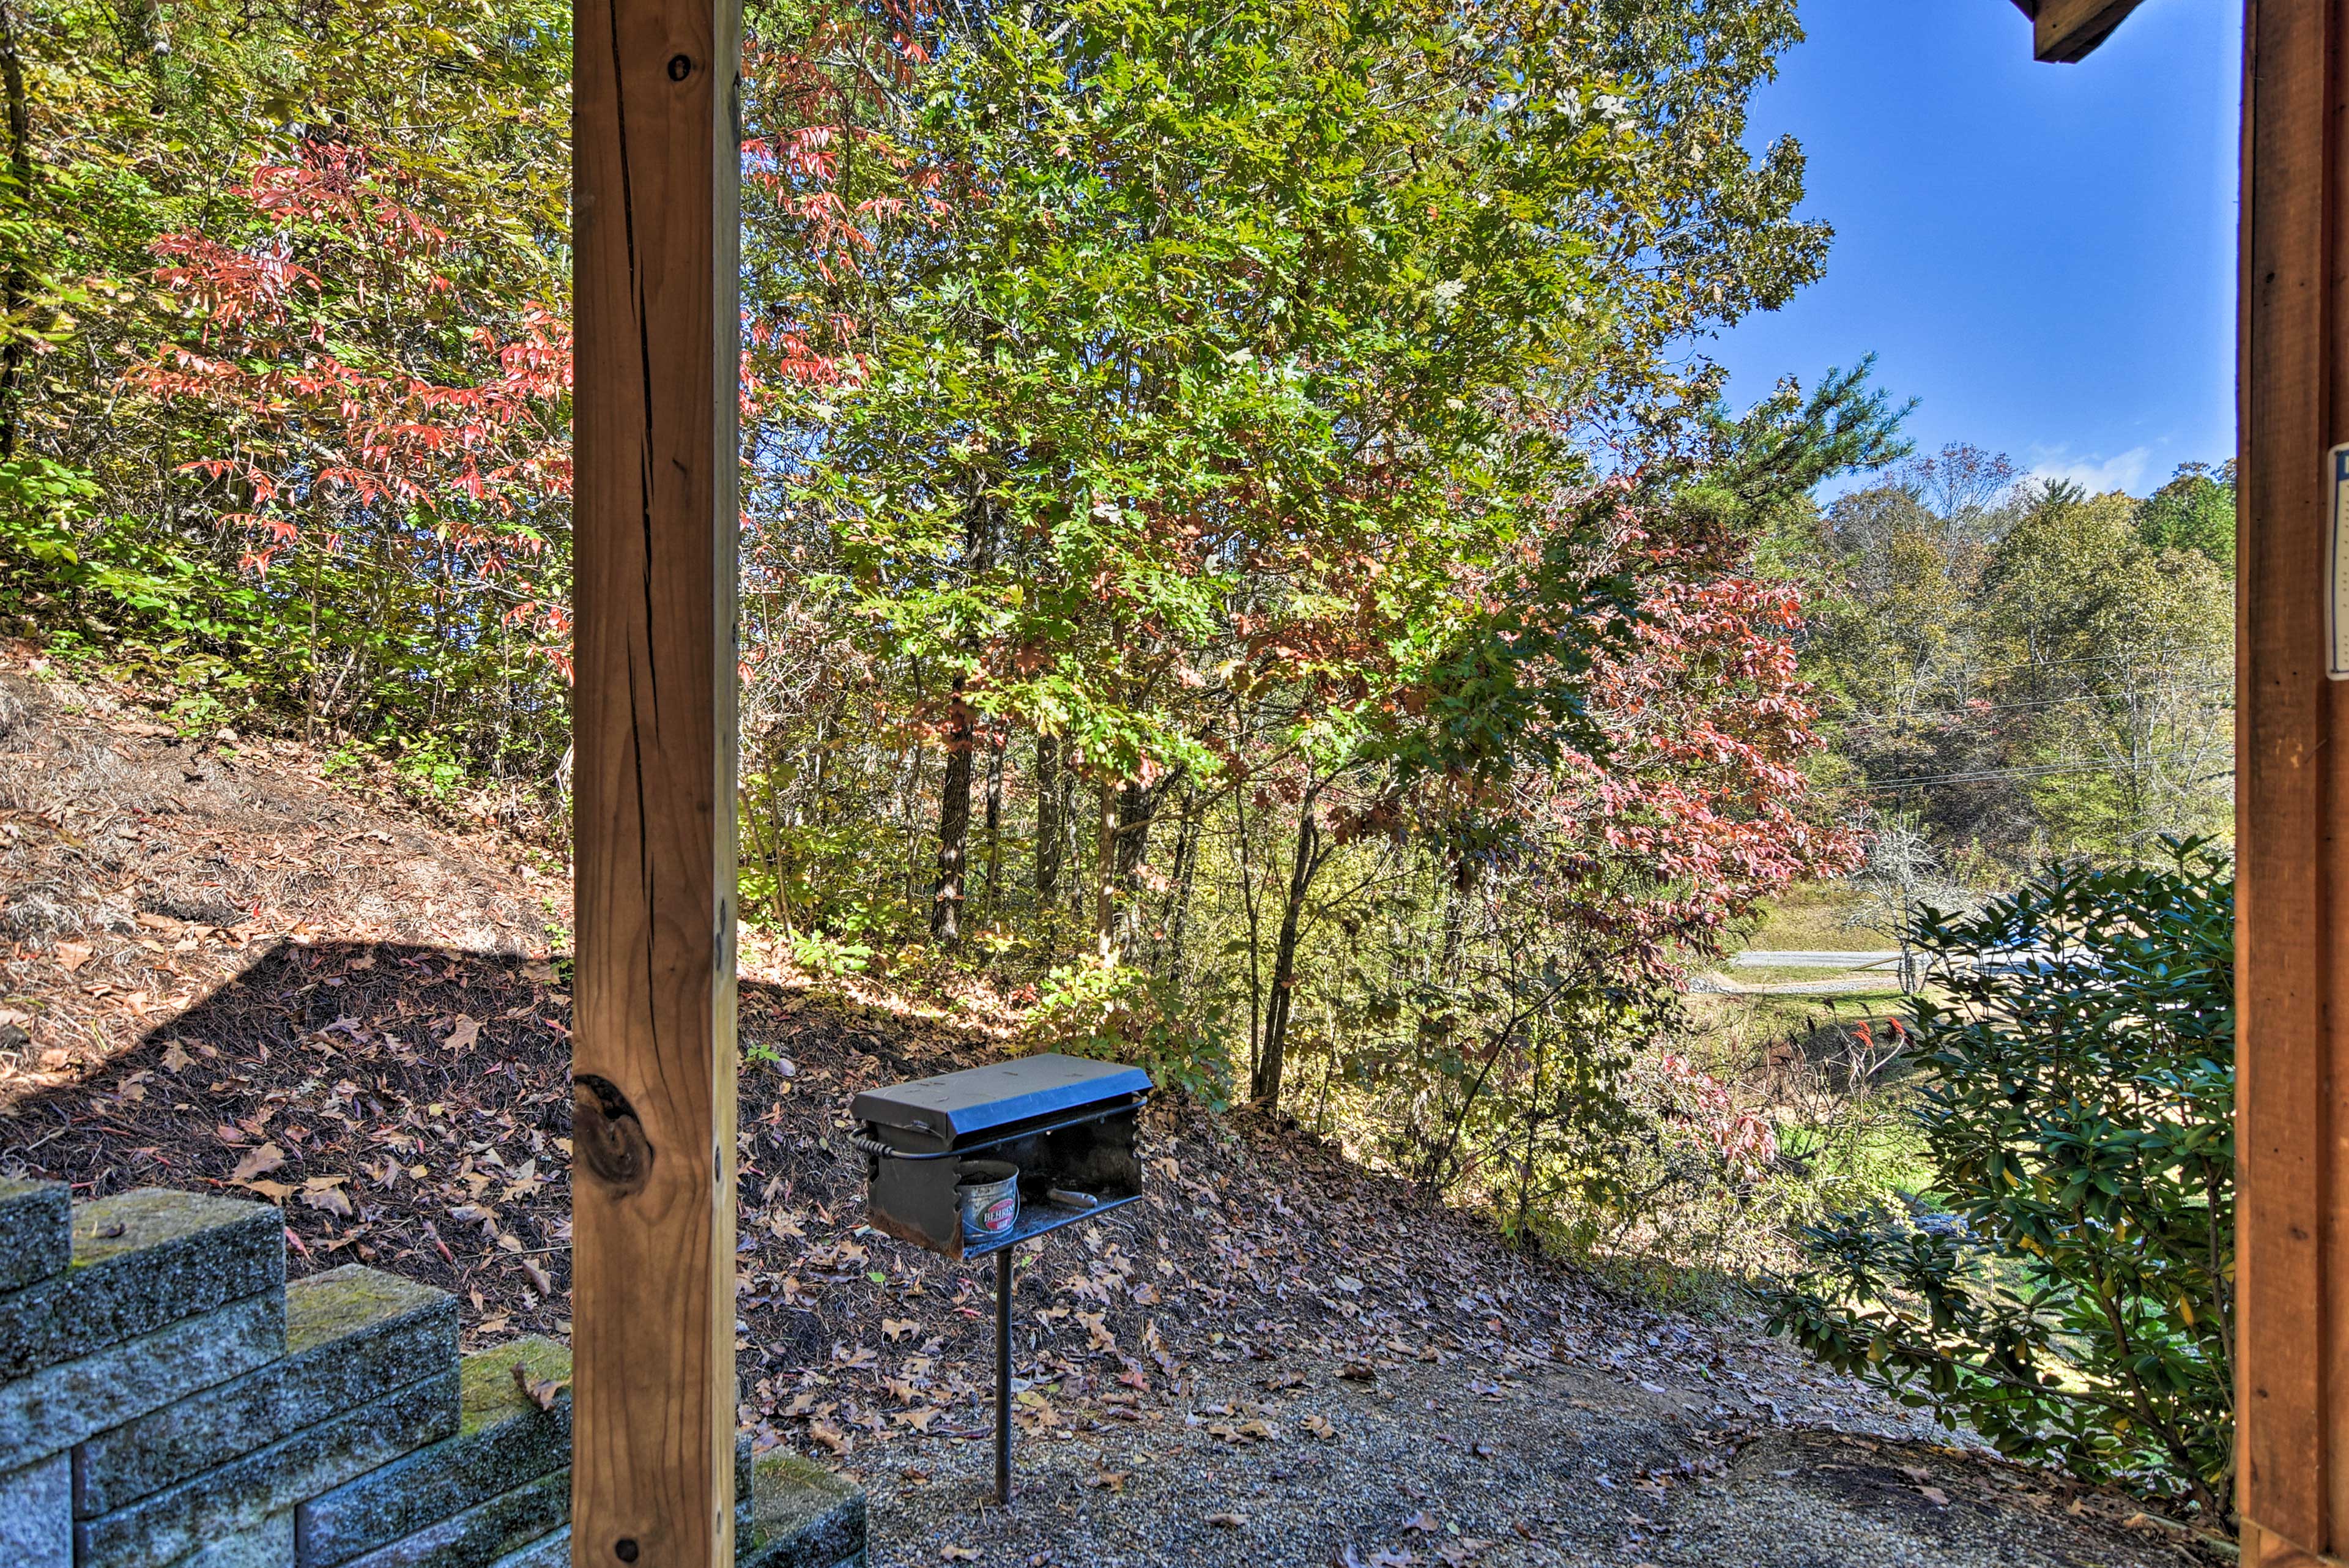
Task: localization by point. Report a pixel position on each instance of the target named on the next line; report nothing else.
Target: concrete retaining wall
(168, 1400)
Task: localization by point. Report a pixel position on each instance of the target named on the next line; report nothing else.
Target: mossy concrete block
(484, 1532)
(502, 1440)
(60, 1405)
(801, 1516)
(36, 1230)
(547, 1552)
(353, 1335)
(241, 1494)
(141, 1260)
(37, 1515)
(269, 1544)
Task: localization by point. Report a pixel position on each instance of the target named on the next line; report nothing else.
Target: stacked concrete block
(801, 1516)
(168, 1401)
(116, 1307)
(500, 1480)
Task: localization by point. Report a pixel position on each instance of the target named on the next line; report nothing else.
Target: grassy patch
(1809, 918)
(1860, 980)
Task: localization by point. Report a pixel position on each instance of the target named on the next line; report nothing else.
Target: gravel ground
(1666, 1446)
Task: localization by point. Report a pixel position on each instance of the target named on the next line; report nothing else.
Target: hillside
(228, 968)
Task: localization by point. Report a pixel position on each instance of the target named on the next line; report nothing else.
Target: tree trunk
(1072, 840)
(1048, 822)
(911, 817)
(994, 824)
(18, 282)
(1105, 873)
(1252, 908)
(953, 828)
(1186, 862)
(1265, 1088)
(1136, 809)
(954, 795)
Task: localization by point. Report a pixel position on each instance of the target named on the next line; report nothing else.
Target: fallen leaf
(1112, 1481)
(834, 1438)
(71, 955)
(894, 1329)
(540, 1392)
(462, 1034)
(1934, 1495)
(275, 1191)
(953, 1554)
(1321, 1428)
(327, 1200)
(1229, 1520)
(174, 1057)
(537, 1277)
(259, 1162)
(1422, 1521)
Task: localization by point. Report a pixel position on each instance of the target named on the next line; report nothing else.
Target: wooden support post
(656, 160)
(2292, 797)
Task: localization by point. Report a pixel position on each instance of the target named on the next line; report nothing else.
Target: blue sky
(2043, 255)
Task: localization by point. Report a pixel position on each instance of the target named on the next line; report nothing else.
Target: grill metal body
(1068, 1123)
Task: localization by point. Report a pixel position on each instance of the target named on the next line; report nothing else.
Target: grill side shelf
(1042, 1217)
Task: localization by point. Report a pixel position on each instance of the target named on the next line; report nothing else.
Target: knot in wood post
(610, 1140)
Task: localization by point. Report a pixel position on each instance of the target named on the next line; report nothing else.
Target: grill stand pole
(1003, 1377)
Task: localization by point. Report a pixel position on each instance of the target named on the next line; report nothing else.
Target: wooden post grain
(2293, 792)
(656, 165)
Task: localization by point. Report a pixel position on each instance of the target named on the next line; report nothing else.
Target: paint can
(988, 1192)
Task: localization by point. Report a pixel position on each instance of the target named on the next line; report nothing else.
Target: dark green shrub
(2075, 1302)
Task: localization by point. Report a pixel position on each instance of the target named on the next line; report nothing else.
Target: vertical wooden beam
(2292, 757)
(656, 164)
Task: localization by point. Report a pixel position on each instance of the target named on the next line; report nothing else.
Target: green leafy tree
(2195, 511)
(2118, 668)
(1218, 385)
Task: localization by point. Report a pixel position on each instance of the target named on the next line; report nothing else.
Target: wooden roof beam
(2066, 31)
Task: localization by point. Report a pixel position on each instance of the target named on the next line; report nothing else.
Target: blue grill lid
(953, 1106)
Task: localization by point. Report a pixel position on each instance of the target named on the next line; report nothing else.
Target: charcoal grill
(1068, 1124)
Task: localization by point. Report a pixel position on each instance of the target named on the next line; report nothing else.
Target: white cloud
(2097, 475)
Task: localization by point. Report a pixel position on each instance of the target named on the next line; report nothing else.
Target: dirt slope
(225, 968)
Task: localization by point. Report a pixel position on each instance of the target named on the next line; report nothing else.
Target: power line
(1962, 668)
(2042, 702)
(1992, 775)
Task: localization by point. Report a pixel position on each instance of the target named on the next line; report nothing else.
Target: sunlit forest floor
(231, 967)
